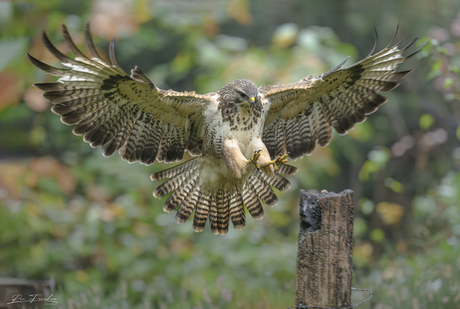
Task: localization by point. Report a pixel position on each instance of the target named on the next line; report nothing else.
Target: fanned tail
(224, 205)
(218, 204)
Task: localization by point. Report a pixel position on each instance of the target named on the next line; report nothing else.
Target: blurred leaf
(380, 155)
(50, 167)
(390, 213)
(368, 168)
(11, 49)
(367, 206)
(10, 89)
(37, 135)
(435, 70)
(378, 158)
(448, 82)
(181, 63)
(378, 235)
(452, 96)
(424, 205)
(285, 35)
(35, 101)
(142, 8)
(394, 185)
(362, 253)
(436, 66)
(11, 177)
(361, 132)
(82, 276)
(426, 121)
(359, 227)
(239, 10)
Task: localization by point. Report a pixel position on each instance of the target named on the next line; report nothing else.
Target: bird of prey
(241, 136)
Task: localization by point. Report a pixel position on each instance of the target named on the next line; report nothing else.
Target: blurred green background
(92, 224)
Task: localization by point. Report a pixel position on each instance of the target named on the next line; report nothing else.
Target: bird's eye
(242, 94)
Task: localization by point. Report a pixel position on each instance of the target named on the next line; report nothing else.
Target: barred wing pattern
(301, 114)
(120, 112)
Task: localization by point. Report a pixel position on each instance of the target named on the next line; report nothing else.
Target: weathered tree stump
(324, 259)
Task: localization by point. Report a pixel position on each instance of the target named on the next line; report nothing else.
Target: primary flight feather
(241, 135)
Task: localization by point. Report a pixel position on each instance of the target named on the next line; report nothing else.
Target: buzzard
(241, 136)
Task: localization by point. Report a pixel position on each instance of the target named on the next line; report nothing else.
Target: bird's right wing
(301, 114)
(121, 112)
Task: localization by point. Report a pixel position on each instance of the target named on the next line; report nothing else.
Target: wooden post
(324, 259)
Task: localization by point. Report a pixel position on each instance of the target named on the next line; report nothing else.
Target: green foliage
(92, 224)
(426, 120)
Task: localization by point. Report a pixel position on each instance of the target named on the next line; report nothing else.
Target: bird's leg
(254, 158)
(278, 161)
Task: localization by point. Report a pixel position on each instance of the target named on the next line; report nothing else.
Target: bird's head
(241, 92)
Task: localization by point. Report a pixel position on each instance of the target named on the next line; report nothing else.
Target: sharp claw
(254, 158)
(278, 161)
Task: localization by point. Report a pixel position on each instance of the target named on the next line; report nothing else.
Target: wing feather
(301, 115)
(121, 112)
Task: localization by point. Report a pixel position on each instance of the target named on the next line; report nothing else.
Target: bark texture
(324, 258)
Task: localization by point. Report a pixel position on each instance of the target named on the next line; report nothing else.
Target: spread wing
(121, 112)
(301, 114)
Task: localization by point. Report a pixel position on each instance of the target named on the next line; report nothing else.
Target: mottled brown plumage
(239, 133)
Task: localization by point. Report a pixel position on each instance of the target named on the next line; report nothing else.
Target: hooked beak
(248, 103)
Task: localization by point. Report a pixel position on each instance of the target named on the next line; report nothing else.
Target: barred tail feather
(213, 214)
(263, 190)
(287, 169)
(237, 211)
(201, 212)
(176, 170)
(252, 203)
(220, 226)
(277, 181)
(173, 183)
(221, 205)
(179, 195)
(188, 206)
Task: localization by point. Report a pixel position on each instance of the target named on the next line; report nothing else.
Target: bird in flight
(241, 136)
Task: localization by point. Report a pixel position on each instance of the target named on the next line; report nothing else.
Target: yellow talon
(254, 159)
(278, 161)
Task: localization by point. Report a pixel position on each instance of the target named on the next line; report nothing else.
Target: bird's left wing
(301, 114)
(121, 112)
